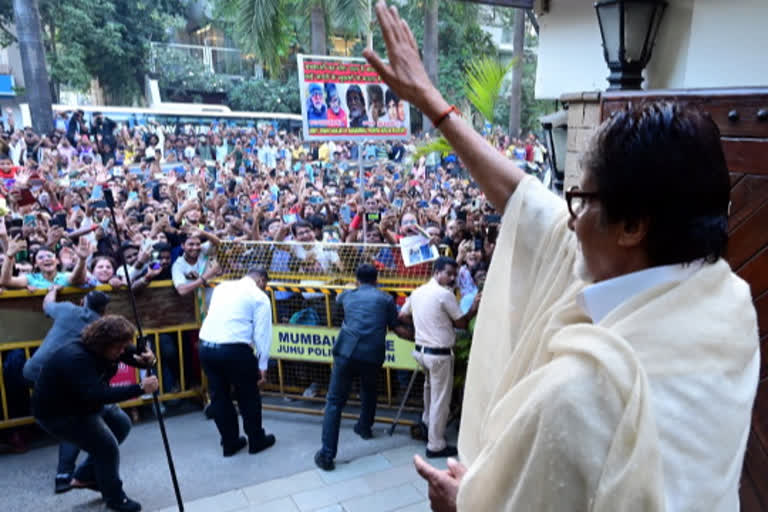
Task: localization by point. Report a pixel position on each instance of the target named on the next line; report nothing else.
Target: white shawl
(560, 414)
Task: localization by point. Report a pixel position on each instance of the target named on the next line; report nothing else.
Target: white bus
(173, 117)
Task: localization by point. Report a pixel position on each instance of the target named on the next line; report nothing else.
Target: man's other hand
(262, 378)
(146, 358)
(149, 384)
(443, 484)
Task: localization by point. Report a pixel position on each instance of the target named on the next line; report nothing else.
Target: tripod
(110, 200)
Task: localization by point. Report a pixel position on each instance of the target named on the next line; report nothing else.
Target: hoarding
(346, 99)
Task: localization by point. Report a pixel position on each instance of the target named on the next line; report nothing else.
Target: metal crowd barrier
(301, 312)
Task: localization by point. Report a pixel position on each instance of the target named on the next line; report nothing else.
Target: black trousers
(233, 365)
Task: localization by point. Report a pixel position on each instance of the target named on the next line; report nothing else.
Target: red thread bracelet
(445, 115)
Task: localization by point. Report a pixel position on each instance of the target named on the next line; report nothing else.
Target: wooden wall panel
(747, 195)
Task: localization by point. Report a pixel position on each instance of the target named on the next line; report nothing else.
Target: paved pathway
(382, 482)
(374, 475)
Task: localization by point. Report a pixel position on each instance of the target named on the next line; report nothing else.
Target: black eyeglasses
(577, 200)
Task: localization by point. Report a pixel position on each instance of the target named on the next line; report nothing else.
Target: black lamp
(628, 29)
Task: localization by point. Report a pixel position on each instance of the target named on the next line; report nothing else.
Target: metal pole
(110, 200)
(402, 404)
(361, 177)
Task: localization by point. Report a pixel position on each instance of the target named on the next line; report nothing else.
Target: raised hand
(405, 73)
(83, 248)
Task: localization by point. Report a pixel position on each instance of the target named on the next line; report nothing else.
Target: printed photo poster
(345, 99)
(417, 249)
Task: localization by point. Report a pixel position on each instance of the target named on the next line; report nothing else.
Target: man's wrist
(434, 104)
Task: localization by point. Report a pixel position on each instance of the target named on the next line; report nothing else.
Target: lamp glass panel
(637, 25)
(609, 21)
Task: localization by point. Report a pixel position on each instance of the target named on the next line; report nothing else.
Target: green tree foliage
(532, 108)
(103, 39)
(461, 41)
(266, 95)
(275, 29)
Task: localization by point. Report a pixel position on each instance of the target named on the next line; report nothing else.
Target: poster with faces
(345, 99)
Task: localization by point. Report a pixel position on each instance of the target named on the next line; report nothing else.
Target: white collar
(599, 299)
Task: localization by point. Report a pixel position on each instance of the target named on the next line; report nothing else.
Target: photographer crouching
(74, 402)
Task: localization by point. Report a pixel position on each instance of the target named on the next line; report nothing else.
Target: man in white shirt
(239, 321)
(435, 313)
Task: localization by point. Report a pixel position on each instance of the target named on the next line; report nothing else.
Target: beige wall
(701, 43)
(583, 120)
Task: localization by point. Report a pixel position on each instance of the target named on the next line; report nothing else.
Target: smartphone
(133, 195)
(422, 204)
(105, 223)
(270, 207)
(155, 265)
(373, 216)
(493, 233)
(493, 219)
(367, 194)
(478, 244)
(60, 220)
(30, 220)
(316, 200)
(346, 213)
(97, 193)
(290, 218)
(461, 215)
(398, 203)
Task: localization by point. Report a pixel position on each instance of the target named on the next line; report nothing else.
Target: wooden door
(742, 115)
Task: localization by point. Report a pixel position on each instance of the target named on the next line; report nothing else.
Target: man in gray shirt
(69, 320)
(359, 351)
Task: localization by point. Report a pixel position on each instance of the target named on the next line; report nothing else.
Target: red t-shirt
(9, 174)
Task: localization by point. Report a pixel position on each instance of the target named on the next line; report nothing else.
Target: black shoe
(324, 462)
(264, 443)
(448, 451)
(125, 504)
(365, 434)
(239, 445)
(208, 412)
(63, 484)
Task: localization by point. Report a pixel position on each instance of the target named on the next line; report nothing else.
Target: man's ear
(633, 233)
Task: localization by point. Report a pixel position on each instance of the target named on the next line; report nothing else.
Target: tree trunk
(516, 92)
(36, 82)
(430, 47)
(318, 35)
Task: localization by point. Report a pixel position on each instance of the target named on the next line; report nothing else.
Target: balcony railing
(221, 61)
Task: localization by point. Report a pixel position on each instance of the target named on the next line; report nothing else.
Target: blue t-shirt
(38, 281)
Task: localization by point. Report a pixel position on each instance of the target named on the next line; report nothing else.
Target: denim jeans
(100, 435)
(344, 370)
(68, 453)
(227, 365)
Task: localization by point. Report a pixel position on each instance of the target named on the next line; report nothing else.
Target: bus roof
(176, 109)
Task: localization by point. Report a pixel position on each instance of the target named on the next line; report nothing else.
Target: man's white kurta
(643, 405)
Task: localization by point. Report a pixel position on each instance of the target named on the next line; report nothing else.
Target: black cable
(110, 200)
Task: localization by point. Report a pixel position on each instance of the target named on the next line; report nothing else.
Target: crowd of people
(179, 194)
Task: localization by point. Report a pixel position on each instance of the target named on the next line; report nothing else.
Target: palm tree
(430, 46)
(30, 36)
(516, 91)
(268, 28)
(483, 81)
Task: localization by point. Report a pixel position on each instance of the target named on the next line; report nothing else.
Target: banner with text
(310, 343)
(345, 98)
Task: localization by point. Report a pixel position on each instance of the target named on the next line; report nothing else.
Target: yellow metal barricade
(303, 297)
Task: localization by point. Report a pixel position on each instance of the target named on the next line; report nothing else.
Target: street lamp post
(628, 29)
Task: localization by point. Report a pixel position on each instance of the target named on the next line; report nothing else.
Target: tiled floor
(383, 482)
